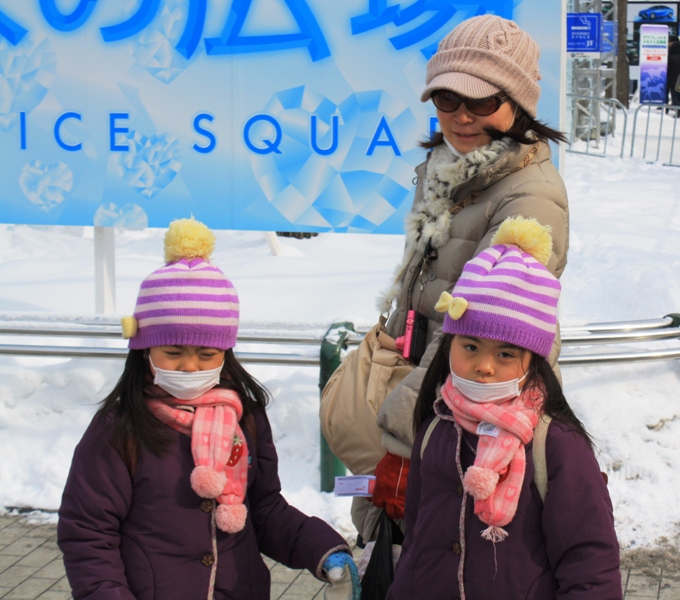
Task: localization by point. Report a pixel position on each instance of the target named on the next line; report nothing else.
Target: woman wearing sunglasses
(490, 161)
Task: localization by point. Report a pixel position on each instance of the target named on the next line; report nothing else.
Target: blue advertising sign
(653, 63)
(610, 37)
(279, 115)
(584, 33)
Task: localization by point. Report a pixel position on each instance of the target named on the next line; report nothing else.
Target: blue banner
(610, 37)
(282, 115)
(653, 64)
(584, 33)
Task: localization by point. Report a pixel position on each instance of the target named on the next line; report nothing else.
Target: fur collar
(430, 219)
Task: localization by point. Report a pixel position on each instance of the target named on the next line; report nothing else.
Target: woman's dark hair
(134, 429)
(540, 375)
(519, 132)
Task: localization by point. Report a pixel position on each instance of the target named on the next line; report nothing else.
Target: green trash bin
(333, 344)
(676, 319)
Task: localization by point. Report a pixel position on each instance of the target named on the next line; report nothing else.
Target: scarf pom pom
(231, 517)
(480, 482)
(494, 534)
(207, 482)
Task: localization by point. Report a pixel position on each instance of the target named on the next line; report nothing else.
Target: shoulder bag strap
(428, 433)
(538, 453)
(528, 158)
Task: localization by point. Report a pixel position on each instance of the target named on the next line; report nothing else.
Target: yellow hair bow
(129, 327)
(454, 306)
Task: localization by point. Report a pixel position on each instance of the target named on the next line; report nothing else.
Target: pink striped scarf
(218, 446)
(495, 479)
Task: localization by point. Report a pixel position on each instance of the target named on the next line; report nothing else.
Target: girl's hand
(343, 577)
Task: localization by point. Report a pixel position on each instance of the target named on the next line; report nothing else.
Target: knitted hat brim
(206, 336)
(501, 75)
(503, 329)
(461, 83)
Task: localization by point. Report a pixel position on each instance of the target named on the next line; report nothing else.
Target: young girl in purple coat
(477, 526)
(174, 491)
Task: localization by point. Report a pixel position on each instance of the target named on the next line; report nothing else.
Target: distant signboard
(653, 63)
(584, 34)
(610, 38)
(647, 13)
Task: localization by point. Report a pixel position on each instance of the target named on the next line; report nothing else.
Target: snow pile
(625, 232)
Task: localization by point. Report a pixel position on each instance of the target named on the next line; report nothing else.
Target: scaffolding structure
(593, 76)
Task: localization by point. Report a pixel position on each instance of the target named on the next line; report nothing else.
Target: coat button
(456, 548)
(459, 490)
(206, 505)
(208, 560)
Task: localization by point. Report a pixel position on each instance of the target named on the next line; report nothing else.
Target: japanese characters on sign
(653, 63)
(584, 34)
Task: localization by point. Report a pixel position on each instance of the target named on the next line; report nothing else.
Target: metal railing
(616, 334)
(666, 132)
(587, 124)
(653, 137)
(98, 330)
(647, 331)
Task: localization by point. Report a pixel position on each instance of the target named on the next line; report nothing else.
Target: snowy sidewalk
(31, 569)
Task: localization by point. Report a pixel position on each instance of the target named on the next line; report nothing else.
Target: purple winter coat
(565, 548)
(148, 537)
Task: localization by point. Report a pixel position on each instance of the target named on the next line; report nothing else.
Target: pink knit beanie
(484, 56)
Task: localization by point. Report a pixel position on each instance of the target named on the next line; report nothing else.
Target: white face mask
(487, 392)
(186, 386)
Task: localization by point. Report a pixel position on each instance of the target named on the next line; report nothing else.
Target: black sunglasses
(449, 102)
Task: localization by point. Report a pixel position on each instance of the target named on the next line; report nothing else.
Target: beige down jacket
(503, 179)
(458, 206)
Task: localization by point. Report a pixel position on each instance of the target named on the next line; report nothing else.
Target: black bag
(380, 570)
(677, 84)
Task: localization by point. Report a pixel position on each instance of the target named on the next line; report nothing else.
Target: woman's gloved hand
(391, 475)
(343, 577)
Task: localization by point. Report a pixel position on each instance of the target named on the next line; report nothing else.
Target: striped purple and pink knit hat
(189, 301)
(505, 293)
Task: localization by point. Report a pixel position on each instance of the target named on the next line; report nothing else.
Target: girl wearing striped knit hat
(505, 498)
(173, 491)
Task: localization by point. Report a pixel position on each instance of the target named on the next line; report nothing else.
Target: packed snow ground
(623, 265)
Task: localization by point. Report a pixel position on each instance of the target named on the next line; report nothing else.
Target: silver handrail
(63, 329)
(619, 326)
(612, 337)
(115, 333)
(616, 357)
(648, 330)
(299, 360)
(261, 358)
(570, 335)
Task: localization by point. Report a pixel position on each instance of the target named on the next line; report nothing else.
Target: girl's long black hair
(540, 375)
(525, 129)
(133, 429)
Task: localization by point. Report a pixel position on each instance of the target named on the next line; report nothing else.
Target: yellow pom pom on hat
(188, 301)
(188, 238)
(510, 295)
(528, 235)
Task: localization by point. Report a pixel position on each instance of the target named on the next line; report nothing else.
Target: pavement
(31, 569)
